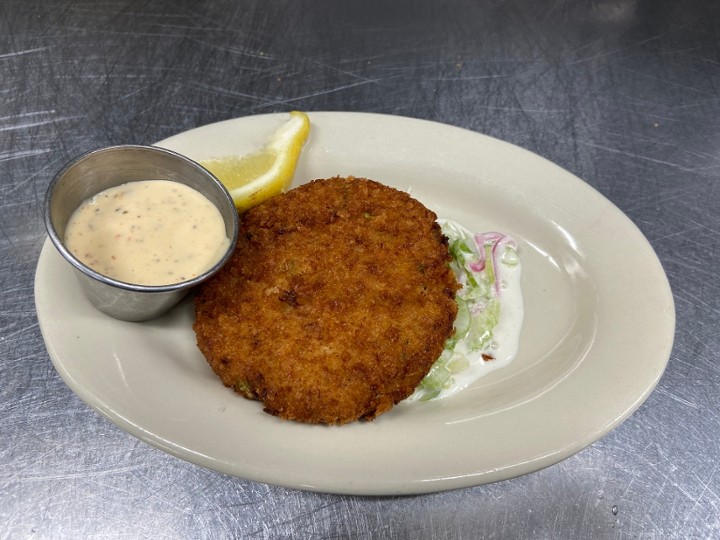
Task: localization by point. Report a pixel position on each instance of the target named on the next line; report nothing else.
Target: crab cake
(336, 303)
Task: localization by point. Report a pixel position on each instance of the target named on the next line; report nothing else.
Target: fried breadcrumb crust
(336, 303)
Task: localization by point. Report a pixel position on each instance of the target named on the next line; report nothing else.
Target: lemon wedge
(255, 177)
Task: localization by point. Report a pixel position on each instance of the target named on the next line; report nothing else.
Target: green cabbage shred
(478, 310)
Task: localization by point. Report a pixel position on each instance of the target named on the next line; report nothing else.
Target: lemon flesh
(254, 178)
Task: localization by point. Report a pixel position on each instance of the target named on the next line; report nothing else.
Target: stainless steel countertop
(623, 93)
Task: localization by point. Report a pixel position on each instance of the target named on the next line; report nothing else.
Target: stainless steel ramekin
(101, 169)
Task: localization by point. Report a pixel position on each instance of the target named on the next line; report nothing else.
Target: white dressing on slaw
(490, 311)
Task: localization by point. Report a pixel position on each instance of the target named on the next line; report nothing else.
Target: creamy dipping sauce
(151, 232)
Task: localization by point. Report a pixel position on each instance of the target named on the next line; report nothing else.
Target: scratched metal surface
(623, 93)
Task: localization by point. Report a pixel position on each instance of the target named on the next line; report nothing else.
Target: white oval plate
(599, 325)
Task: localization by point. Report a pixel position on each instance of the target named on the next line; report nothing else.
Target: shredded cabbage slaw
(478, 261)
